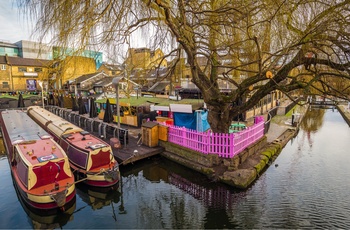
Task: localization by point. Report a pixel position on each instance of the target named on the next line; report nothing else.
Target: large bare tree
(257, 46)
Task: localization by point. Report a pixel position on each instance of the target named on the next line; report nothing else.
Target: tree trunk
(219, 117)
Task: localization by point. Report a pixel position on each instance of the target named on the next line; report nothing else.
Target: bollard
(115, 143)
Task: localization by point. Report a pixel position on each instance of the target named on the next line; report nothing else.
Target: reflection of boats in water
(91, 158)
(39, 166)
(97, 197)
(45, 220)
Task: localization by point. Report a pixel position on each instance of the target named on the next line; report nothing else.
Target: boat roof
(61, 125)
(85, 140)
(33, 143)
(39, 151)
(20, 127)
(73, 134)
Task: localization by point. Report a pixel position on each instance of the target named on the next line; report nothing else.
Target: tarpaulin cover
(202, 121)
(187, 120)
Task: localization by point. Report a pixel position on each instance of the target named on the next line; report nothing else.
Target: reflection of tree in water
(166, 208)
(217, 198)
(313, 120)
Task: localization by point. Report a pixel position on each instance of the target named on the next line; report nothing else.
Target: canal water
(306, 187)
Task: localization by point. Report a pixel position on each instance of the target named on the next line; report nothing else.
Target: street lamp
(42, 92)
(115, 83)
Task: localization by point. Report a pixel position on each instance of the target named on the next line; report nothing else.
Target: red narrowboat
(39, 166)
(91, 159)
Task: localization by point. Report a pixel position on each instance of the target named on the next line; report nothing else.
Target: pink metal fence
(223, 144)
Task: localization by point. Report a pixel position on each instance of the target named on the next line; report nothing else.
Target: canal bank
(344, 111)
(243, 169)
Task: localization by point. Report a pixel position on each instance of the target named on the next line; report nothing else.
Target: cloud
(14, 26)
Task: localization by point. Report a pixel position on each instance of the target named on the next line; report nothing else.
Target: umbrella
(108, 117)
(75, 107)
(20, 101)
(93, 109)
(61, 101)
(55, 100)
(81, 105)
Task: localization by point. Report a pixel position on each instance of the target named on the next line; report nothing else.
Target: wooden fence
(225, 145)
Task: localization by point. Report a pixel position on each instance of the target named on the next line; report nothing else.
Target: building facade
(22, 74)
(25, 62)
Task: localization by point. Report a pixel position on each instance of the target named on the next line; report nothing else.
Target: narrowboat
(39, 166)
(91, 159)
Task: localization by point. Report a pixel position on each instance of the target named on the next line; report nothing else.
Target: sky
(13, 27)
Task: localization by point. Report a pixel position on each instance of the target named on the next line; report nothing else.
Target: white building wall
(36, 50)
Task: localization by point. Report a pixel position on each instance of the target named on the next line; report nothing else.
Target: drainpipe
(11, 78)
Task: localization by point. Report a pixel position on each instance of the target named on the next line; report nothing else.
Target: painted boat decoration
(39, 166)
(90, 158)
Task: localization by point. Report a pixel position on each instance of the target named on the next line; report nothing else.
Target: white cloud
(14, 27)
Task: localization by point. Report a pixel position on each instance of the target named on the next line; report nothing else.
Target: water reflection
(97, 198)
(191, 196)
(307, 190)
(44, 219)
(313, 120)
(2, 146)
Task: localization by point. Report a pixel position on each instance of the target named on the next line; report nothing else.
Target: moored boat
(90, 158)
(39, 166)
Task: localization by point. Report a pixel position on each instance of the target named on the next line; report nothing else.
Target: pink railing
(223, 144)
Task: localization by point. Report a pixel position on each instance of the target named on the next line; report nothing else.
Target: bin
(150, 134)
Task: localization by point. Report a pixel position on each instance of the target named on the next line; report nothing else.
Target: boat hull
(45, 202)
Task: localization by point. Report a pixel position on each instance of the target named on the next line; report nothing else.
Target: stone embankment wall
(249, 170)
(345, 112)
(209, 164)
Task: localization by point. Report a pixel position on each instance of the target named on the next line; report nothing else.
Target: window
(3, 67)
(22, 69)
(5, 85)
(38, 70)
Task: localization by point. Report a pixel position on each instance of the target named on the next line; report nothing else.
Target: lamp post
(115, 83)
(41, 83)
